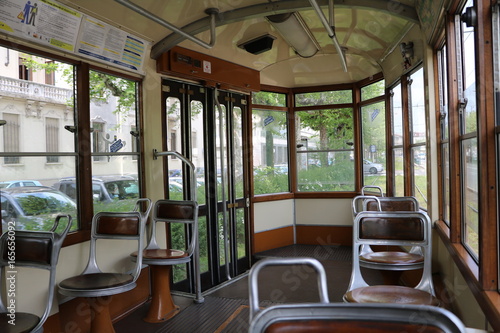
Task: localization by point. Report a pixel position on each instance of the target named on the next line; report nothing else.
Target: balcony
(23, 89)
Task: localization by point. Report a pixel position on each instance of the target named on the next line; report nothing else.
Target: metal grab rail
(254, 273)
(210, 11)
(198, 297)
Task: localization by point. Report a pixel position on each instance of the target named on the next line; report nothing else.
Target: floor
(225, 309)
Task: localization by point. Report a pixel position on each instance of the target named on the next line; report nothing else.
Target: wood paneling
(324, 235)
(212, 71)
(272, 239)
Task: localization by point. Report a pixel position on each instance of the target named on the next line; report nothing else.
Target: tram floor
(225, 309)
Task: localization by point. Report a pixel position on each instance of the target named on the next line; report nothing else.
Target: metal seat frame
(128, 226)
(374, 217)
(35, 249)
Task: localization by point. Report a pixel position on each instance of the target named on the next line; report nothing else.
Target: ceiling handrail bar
(330, 30)
(210, 11)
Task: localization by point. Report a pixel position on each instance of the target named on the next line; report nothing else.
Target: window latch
(462, 104)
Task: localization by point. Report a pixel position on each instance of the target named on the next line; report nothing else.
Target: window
(270, 143)
(325, 154)
(397, 136)
(115, 169)
(418, 136)
(42, 152)
(11, 137)
(51, 170)
(468, 133)
(373, 134)
(52, 138)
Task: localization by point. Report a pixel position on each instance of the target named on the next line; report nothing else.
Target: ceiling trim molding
(391, 7)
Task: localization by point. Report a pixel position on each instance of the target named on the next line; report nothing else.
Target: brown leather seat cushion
(96, 281)
(390, 294)
(161, 254)
(392, 257)
(25, 322)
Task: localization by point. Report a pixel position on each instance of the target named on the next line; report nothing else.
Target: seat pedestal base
(100, 317)
(162, 306)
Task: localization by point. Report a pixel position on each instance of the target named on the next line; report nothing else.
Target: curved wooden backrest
(353, 317)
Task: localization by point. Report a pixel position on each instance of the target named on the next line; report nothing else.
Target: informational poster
(46, 22)
(108, 44)
(53, 24)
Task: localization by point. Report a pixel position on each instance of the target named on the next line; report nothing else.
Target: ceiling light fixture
(295, 32)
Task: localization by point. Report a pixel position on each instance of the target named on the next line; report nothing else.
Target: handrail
(197, 273)
(254, 273)
(210, 11)
(330, 30)
(223, 185)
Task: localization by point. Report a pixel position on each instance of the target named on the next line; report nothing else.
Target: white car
(373, 168)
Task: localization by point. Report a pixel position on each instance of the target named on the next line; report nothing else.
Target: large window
(270, 143)
(56, 160)
(397, 136)
(324, 139)
(468, 133)
(418, 136)
(373, 134)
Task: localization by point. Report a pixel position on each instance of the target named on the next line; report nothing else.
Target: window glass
(417, 107)
(397, 116)
(372, 90)
(399, 178)
(469, 148)
(373, 134)
(270, 151)
(471, 207)
(418, 137)
(173, 107)
(115, 166)
(323, 98)
(37, 106)
(469, 75)
(419, 167)
(269, 98)
(325, 154)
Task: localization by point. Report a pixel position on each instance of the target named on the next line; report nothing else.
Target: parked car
(373, 168)
(34, 207)
(19, 183)
(104, 188)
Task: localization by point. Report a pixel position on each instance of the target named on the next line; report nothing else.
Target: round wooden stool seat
(25, 322)
(390, 294)
(96, 281)
(392, 257)
(161, 254)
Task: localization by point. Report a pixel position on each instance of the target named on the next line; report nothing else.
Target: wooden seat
(349, 317)
(94, 284)
(161, 260)
(326, 317)
(35, 249)
(403, 229)
(392, 262)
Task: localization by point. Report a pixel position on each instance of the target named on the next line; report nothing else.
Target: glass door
(210, 133)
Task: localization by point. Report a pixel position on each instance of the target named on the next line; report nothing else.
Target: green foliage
(270, 180)
(269, 98)
(336, 177)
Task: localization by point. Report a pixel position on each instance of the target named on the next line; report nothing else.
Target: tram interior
(281, 111)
